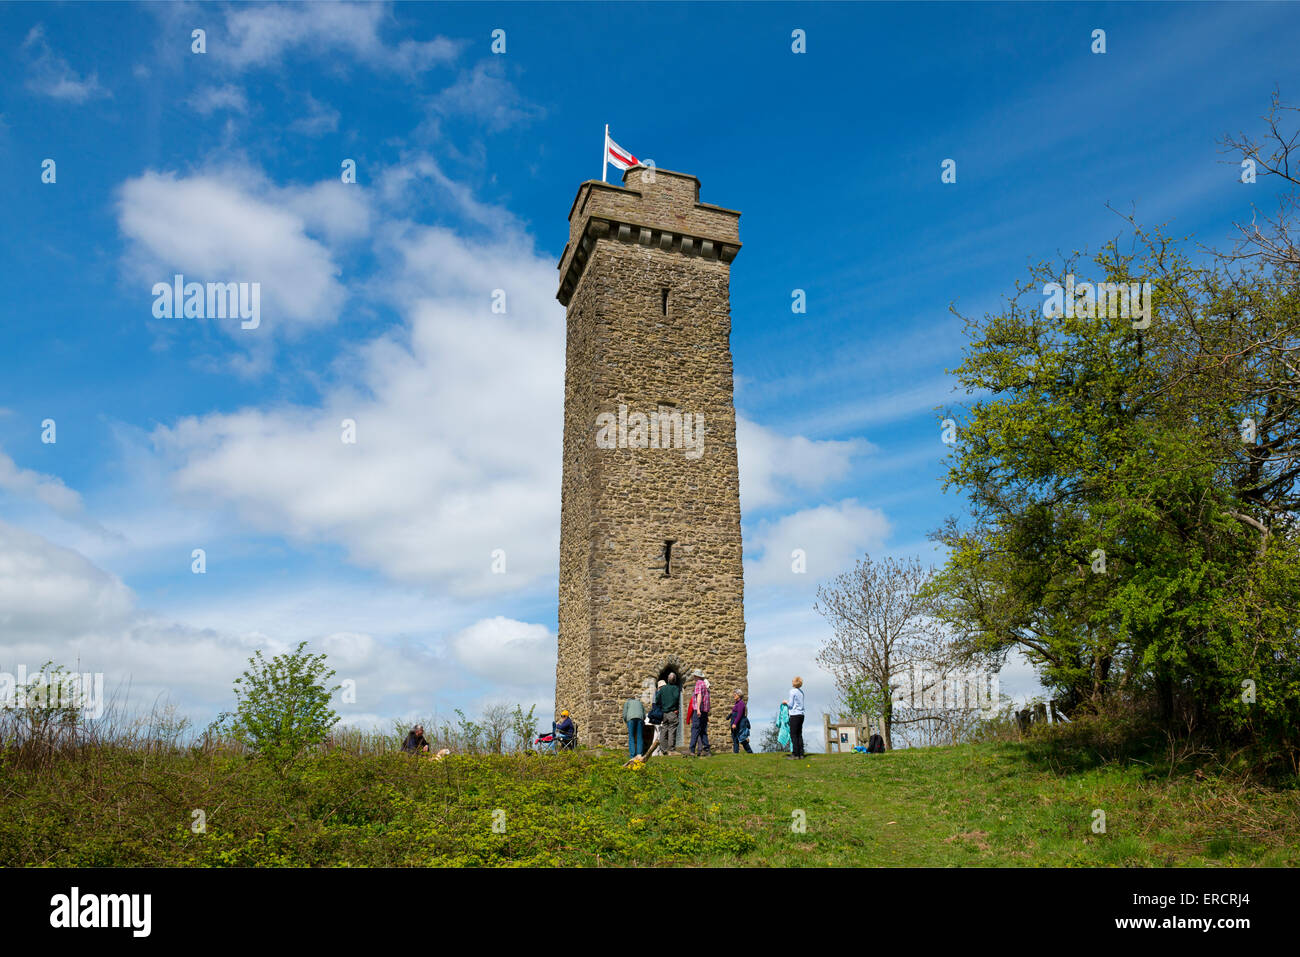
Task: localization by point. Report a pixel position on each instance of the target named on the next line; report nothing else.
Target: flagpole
(604, 158)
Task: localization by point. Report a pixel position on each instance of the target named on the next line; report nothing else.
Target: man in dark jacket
(565, 730)
(415, 743)
(669, 699)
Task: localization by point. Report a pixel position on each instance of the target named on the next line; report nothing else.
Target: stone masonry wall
(621, 618)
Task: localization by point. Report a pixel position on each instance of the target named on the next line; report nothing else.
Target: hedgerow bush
(337, 809)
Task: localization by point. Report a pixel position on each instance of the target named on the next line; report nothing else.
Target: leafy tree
(523, 727)
(283, 705)
(496, 725)
(862, 696)
(1133, 496)
(468, 736)
(53, 699)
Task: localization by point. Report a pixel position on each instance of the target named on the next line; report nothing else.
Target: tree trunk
(887, 716)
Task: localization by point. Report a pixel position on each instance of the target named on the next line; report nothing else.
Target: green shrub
(282, 705)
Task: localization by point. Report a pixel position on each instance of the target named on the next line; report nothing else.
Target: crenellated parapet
(663, 212)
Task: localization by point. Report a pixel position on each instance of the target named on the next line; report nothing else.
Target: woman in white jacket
(795, 703)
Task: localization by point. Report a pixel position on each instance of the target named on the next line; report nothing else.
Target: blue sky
(181, 434)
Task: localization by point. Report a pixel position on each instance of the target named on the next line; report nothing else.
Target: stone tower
(650, 551)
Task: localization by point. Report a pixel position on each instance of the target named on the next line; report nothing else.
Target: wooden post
(1022, 720)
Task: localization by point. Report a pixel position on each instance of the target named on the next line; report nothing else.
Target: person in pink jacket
(699, 715)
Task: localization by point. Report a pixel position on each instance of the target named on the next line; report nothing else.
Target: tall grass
(40, 738)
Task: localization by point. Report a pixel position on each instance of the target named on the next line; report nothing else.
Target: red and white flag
(615, 154)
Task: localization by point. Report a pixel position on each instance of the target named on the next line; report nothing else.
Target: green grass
(995, 805)
(987, 804)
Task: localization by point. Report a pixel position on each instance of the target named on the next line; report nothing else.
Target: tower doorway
(673, 668)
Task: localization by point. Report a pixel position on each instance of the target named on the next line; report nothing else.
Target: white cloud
(337, 211)
(57, 605)
(398, 185)
(261, 36)
(49, 490)
(233, 227)
(831, 537)
(485, 94)
(508, 652)
(212, 98)
(348, 649)
(319, 119)
(50, 74)
(50, 589)
(458, 420)
(906, 402)
(772, 464)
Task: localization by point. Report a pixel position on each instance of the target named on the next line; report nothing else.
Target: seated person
(415, 742)
(565, 728)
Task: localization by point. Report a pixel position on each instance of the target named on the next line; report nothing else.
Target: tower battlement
(661, 208)
(651, 576)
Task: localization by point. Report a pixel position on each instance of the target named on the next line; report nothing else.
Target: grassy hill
(978, 804)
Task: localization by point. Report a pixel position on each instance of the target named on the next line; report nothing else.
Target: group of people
(663, 717)
(565, 735)
(665, 712)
